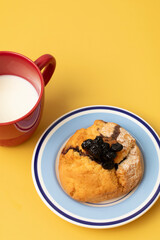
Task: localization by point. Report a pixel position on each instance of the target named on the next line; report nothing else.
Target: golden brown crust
(85, 180)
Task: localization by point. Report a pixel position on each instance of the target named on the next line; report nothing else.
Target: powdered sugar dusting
(108, 129)
(130, 171)
(125, 139)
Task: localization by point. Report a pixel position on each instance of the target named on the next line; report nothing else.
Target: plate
(107, 214)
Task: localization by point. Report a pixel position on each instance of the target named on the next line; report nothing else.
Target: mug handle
(48, 62)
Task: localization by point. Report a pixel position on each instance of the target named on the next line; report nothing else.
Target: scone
(99, 163)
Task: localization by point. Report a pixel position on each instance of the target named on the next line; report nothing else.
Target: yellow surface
(107, 52)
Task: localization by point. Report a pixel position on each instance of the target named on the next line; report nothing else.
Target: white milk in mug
(17, 97)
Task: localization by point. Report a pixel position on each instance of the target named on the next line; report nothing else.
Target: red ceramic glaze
(15, 132)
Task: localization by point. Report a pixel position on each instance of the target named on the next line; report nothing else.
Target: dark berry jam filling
(101, 152)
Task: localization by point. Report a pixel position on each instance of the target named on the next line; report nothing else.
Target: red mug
(15, 132)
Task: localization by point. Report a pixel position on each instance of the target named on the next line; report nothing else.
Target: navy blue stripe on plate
(89, 223)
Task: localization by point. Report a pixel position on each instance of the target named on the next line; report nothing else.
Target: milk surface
(17, 97)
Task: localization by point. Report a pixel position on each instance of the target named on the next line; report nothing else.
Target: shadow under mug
(15, 132)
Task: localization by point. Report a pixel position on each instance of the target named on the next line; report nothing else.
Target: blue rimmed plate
(107, 214)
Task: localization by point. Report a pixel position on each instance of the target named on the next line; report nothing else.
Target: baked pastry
(100, 162)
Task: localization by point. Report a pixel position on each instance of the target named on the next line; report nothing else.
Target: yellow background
(107, 52)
